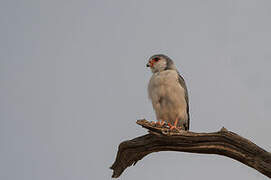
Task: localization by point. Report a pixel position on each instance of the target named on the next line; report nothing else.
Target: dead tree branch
(223, 142)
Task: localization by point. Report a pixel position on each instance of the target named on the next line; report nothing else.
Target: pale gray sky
(73, 83)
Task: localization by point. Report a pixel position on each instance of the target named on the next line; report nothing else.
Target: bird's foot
(171, 127)
(162, 123)
(158, 123)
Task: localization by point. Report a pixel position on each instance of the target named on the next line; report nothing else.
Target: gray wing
(182, 82)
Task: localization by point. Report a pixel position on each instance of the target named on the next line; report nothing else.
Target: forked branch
(223, 142)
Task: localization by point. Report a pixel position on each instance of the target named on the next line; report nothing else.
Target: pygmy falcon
(168, 93)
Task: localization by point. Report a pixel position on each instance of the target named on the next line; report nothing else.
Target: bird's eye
(156, 59)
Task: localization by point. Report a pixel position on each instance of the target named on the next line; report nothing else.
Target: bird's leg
(175, 124)
(158, 123)
(161, 123)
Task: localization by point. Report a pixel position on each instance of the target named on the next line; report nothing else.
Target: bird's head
(160, 62)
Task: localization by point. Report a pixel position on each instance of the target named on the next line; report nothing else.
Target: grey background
(70, 70)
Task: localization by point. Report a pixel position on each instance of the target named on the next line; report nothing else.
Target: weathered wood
(223, 142)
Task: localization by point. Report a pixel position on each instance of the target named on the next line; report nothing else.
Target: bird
(168, 92)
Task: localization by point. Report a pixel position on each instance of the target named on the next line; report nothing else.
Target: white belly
(168, 97)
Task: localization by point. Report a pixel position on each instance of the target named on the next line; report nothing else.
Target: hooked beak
(150, 64)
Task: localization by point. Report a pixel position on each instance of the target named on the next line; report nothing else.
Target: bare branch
(223, 142)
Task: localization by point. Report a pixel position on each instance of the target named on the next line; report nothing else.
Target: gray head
(160, 62)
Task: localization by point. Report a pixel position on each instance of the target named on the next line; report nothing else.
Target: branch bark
(223, 142)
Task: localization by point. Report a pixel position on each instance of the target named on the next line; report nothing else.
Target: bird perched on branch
(168, 93)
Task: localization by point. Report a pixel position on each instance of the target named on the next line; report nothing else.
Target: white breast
(168, 96)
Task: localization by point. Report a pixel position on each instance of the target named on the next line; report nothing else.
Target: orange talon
(174, 126)
(170, 126)
(175, 123)
(157, 123)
